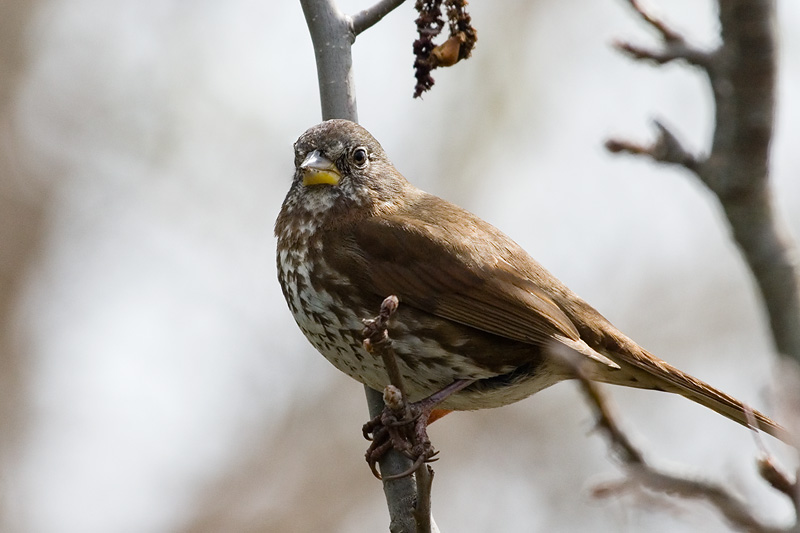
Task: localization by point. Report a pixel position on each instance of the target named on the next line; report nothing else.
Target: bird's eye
(360, 156)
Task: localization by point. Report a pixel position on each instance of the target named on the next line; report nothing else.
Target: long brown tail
(640, 369)
(724, 404)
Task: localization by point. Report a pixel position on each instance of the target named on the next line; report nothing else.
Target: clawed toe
(407, 434)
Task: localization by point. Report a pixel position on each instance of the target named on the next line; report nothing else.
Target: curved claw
(378, 435)
(372, 466)
(419, 462)
(370, 427)
(381, 443)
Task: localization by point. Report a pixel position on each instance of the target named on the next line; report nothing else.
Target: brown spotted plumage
(473, 304)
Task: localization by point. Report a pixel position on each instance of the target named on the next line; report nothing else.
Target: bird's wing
(462, 275)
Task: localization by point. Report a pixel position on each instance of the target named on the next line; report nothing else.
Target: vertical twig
(378, 342)
(332, 35)
(400, 493)
(422, 507)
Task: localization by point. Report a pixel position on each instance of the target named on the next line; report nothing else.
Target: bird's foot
(403, 426)
(405, 430)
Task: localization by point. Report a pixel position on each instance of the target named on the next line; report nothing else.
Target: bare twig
(779, 479)
(774, 474)
(673, 51)
(669, 35)
(738, 167)
(400, 493)
(378, 342)
(666, 149)
(742, 76)
(732, 508)
(606, 421)
(767, 464)
(674, 44)
(366, 18)
(422, 509)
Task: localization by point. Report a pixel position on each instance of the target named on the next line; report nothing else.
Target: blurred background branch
(742, 75)
(24, 205)
(642, 474)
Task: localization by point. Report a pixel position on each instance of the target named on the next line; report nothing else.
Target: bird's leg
(401, 425)
(404, 427)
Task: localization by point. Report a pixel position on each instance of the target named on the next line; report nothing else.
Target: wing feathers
(405, 257)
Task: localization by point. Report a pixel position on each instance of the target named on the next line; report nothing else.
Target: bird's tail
(662, 376)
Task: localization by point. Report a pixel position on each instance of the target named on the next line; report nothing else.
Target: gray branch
(332, 36)
(666, 149)
(401, 494)
(737, 170)
(365, 19)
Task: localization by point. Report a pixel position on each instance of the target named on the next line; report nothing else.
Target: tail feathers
(643, 370)
(728, 406)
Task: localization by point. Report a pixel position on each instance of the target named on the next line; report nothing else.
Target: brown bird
(475, 309)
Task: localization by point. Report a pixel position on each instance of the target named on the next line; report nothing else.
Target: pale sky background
(166, 387)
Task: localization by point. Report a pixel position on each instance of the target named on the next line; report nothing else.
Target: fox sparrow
(478, 316)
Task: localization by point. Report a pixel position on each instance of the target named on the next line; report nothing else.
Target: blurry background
(151, 377)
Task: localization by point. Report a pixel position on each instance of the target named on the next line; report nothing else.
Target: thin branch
(738, 169)
(742, 76)
(332, 36)
(378, 342)
(775, 475)
(779, 480)
(769, 469)
(667, 34)
(422, 509)
(400, 493)
(666, 149)
(369, 17)
(671, 52)
(731, 507)
(675, 46)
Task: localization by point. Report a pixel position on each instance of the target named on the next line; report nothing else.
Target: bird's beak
(319, 170)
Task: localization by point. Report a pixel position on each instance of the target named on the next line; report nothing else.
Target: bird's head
(339, 165)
